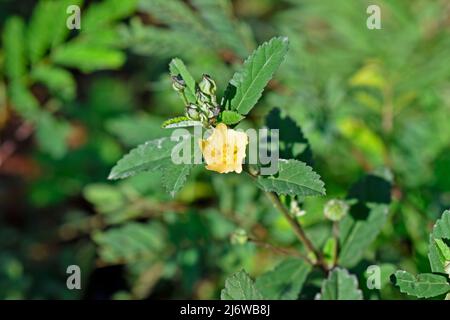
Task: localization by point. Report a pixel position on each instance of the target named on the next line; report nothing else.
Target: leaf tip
(284, 39)
(112, 176)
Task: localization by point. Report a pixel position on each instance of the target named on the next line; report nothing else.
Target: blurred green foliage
(372, 104)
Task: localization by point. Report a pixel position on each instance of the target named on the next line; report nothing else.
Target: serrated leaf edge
(237, 77)
(181, 180)
(349, 276)
(320, 192)
(113, 176)
(416, 280)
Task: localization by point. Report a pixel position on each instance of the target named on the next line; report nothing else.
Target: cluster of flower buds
(205, 108)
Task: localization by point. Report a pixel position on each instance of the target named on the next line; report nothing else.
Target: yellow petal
(224, 149)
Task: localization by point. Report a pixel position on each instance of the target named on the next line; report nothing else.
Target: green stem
(336, 239)
(296, 227)
(183, 95)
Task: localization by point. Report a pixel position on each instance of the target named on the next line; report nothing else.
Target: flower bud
(335, 210)
(208, 109)
(202, 97)
(178, 83)
(239, 237)
(192, 112)
(204, 118)
(294, 208)
(210, 113)
(207, 85)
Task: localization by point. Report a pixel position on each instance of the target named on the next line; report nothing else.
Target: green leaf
(40, 29)
(105, 197)
(441, 230)
(59, 81)
(48, 26)
(219, 16)
(240, 287)
(177, 67)
(159, 42)
(177, 15)
(340, 285)
(100, 15)
(257, 70)
(174, 176)
(363, 138)
(180, 122)
(230, 117)
(444, 249)
(148, 156)
(371, 188)
(2, 97)
(284, 282)
(151, 155)
(293, 143)
(293, 178)
(131, 242)
(108, 37)
(52, 135)
(136, 128)
(44, 24)
(14, 45)
(86, 57)
(24, 101)
(357, 235)
(425, 285)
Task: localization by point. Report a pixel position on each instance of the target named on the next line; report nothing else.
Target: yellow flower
(224, 150)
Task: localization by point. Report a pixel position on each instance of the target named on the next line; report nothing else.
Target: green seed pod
(207, 85)
(239, 237)
(178, 83)
(335, 210)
